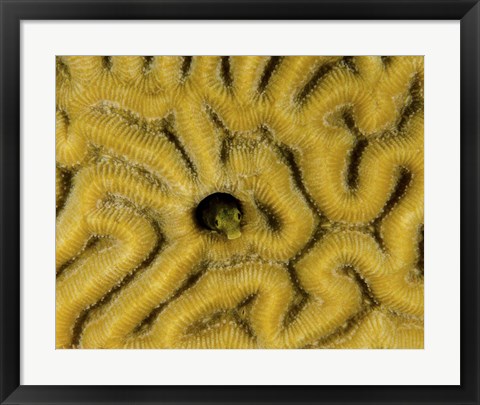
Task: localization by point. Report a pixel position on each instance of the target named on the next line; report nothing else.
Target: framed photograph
(244, 202)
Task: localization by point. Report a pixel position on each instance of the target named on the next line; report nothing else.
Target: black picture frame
(13, 11)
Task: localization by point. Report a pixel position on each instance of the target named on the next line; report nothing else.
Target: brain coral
(323, 154)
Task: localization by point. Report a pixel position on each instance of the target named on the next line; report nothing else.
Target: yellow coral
(325, 156)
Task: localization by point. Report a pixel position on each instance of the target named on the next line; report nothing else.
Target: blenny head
(220, 212)
(227, 220)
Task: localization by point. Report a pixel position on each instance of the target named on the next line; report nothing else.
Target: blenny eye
(238, 216)
(216, 222)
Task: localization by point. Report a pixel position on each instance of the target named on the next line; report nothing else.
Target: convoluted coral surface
(324, 156)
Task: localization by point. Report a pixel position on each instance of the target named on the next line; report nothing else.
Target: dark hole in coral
(207, 206)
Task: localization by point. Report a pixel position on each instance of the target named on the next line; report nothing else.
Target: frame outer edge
(10, 202)
(10, 205)
(470, 203)
(244, 9)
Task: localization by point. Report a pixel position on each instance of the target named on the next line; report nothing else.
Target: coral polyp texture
(319, 160)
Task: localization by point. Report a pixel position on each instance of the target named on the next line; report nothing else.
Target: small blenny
(221, 212)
